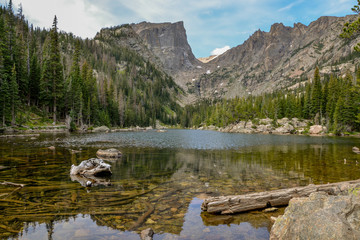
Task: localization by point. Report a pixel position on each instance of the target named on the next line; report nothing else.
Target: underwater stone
(107, 154)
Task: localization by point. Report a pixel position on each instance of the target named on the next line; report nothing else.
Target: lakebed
(159, 182)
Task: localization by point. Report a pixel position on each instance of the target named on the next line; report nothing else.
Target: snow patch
(219, 51)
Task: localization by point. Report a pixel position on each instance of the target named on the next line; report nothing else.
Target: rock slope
(279, 58)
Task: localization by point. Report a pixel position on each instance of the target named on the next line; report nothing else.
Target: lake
(160, 182)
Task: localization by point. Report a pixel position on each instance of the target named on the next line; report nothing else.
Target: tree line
(332, 100)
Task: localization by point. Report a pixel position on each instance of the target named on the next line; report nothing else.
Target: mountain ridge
(266, 61)
(276, 59)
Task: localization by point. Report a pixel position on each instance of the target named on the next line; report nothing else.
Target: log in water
(276, 198)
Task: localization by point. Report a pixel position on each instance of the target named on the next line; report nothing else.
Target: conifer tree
(4, 101)
(34, 74)
(316, 95)
(13, 95)
(76, 85)
(307, 102)
(56, 73)
(351, 28)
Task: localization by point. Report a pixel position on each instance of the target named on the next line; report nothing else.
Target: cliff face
(279, 58)
(168, 41)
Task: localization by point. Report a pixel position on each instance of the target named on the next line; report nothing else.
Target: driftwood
(276, 198)
(90, 168)
(143, 218)
(19, 135)
(13, 184)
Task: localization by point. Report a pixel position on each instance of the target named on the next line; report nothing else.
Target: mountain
(266, 61)
(279, 58)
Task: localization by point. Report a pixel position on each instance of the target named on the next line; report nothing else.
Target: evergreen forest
(59, 76)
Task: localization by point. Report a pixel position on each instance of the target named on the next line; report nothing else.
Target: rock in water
(356, 150)
(92, 167)
(101, 129)
(319, 216)
(109, 154)
(147, 234)
(316, 129)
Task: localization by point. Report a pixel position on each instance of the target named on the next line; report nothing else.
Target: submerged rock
(109, 154)
(319, 216)
(356, 150)
(92, 167)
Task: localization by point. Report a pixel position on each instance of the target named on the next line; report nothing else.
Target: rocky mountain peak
(279, 58)
(168, 41)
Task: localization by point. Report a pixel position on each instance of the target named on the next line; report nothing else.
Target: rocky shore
(268, 126)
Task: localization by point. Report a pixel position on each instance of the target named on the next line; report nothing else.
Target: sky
(212, 26)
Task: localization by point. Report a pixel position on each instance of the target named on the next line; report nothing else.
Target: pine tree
(333, 95)
(351, 28)
(21, 66)
(316, 95)
(13, 95)
(46, 78)
(56, 73)
(34, 74)
(5, 108)
(76, 85)
(307, 102)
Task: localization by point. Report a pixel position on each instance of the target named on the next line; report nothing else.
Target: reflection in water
(159, 182)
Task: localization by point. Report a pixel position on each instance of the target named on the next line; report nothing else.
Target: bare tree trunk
(261, 200)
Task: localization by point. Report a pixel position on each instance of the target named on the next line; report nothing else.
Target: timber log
(277, 198)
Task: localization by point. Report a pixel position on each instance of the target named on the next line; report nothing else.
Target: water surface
(159, 182)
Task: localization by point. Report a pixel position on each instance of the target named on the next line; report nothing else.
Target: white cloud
(76, 16)
(219, 51)
(291, 5)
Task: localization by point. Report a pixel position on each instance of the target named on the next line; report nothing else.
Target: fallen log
(19, 135)
(276, 198)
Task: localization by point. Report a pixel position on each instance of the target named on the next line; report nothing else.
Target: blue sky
(210, 24)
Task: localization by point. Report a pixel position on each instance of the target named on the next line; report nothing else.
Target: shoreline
(282, 126)
(266, 126)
